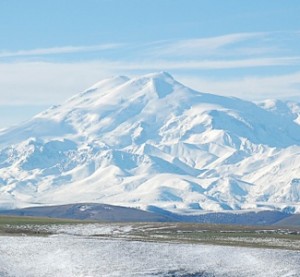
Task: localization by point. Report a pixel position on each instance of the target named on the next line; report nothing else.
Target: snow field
(65, 255)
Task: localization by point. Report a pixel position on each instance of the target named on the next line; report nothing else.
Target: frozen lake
(73, 255)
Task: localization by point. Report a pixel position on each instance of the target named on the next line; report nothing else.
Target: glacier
(151, 141)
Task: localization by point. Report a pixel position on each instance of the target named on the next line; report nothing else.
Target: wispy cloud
(58, 81)
(203, 64)
(226, 54)
(226, 51)
(59, 50)
(208, 47)
(45, 83)
(203, 46)
(285, 86)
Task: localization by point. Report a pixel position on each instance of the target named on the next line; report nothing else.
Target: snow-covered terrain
(65, 255)
(152, 141)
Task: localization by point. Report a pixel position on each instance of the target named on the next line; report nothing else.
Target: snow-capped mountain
(151, 141)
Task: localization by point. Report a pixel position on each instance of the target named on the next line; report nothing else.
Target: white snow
(64, 255)
(152, 141)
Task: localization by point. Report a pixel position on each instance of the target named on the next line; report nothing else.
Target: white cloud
(58, 50)
(205, 64)
(40, 83)
(286, 87)
(37, 83)
(202, 46)
(163, 48)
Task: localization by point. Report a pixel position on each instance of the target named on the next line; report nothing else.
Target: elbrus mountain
(153, 142)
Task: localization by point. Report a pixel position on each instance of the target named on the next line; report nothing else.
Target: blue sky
(51, 50)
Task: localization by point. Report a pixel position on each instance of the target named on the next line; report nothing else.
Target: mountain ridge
(151, 141)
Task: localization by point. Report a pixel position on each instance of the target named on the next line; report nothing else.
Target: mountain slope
(89, 211)
(152, 141)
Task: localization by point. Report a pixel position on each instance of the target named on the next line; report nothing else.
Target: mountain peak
(158, 75)
(158, 79)
(109, 83)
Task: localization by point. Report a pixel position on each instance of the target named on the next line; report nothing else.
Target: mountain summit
(153, 142)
